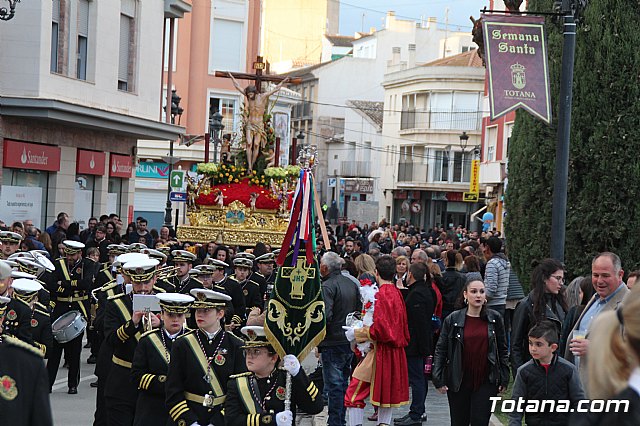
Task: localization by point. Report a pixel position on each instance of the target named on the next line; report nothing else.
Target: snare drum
(68, 326)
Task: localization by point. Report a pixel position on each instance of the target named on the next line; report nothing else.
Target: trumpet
(147, 325)
(167, 272)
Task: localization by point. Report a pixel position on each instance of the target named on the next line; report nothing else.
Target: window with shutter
(125, 45)
(83, 37)
(55, 30)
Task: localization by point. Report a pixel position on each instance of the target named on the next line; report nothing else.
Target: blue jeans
(419, 386)
(336, 369)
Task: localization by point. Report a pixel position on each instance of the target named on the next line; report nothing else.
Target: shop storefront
(90, 168)
(25, 181)
(151, 192)
(120, 171)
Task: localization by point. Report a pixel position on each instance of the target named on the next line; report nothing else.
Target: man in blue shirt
(606, 277)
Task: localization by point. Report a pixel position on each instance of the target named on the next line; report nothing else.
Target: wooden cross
(259, 65)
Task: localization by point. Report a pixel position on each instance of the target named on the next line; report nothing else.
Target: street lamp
(464, 139)
(215, 130)
(176, 111)
(6, 14)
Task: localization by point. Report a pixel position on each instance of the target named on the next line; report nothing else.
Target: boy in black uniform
(152, 357)
(27, 290)
(258, 396)
(201, 363)
(24, 396)
(250, 289)
(264, 276)
(233, 289)
(123, 328)
(69, 287)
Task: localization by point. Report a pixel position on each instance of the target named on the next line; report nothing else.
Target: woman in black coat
(545, 302)
(471, 360)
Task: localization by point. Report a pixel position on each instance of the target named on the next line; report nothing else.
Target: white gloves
(195, 424)
(285, 418)
(349, 333)
(292, 365)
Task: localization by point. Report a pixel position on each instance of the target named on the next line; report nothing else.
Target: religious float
(245, 197)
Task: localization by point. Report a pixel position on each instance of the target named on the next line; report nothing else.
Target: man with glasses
(264, 403)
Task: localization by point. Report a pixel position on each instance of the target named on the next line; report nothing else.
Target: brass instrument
(147, 325)
(167, 272)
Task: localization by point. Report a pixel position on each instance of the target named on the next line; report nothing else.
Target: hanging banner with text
(516, 57)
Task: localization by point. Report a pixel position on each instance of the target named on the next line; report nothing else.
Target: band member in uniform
(69, 288)
(205, 275)
(152, 357)
(27, 290)
(265, 275)
(201, 363)
(32, 267)
(103, 362)
(156, 254)
(17, 320)
(10, 243)
(250, 289)
(233, 289)
(257, 397)
(182, 282)
(24, 390)
(123, 327)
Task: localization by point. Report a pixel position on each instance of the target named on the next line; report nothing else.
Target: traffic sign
(178, 196)
(178, 182)
(470, 197)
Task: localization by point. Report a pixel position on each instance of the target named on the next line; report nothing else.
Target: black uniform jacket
(122, 336)
(251, 293)
(195, 379)
(233, 289)
(174, 285)
(17, 321)
(253, 402)
(41, 329)
(24, 385)
(69, 287)
(149, 374)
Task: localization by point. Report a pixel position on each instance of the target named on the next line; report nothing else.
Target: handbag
(428, 365)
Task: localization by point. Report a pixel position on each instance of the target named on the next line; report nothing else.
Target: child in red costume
(386, 364)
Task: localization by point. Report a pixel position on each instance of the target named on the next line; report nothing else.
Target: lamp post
(6, 14)
(464, 140)
(215, 130)
(176, 111)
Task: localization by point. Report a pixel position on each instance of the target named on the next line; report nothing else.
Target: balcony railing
(441, 120)
(355, 169)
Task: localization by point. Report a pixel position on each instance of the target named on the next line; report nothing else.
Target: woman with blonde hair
(402, 267)
(365, 264)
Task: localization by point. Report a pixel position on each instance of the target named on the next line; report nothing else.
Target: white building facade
(329, 119)
(426, 170)
(80, 85)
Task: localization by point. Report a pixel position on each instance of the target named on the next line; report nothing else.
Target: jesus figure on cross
(255, 107)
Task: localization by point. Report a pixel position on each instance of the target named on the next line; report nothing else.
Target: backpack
(436, 319)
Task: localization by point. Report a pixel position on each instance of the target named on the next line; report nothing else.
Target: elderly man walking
(341, 297)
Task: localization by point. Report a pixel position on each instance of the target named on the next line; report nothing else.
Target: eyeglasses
(560, 278)
(255, 352)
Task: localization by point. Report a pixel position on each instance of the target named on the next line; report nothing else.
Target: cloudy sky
(354, 12)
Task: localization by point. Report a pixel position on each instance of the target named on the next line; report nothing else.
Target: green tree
(604, 169)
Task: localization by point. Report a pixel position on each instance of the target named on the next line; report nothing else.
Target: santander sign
(24, 155)
(120, 166)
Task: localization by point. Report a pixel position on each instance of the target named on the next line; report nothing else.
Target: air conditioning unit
(488, 192)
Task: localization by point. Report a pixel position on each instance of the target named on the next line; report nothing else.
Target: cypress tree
(604, 168)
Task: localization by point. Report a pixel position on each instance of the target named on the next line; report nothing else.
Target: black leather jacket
(447, 367)
(341, 297)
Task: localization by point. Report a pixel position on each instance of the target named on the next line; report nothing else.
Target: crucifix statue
(255, 106)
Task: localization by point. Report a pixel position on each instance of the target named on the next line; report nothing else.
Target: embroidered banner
(516, 58)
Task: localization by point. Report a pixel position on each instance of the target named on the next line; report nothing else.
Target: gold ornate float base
(234, 224)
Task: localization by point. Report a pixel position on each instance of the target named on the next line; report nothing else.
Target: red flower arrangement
(242, 192)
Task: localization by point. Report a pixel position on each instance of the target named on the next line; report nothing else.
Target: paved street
(77, 410)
